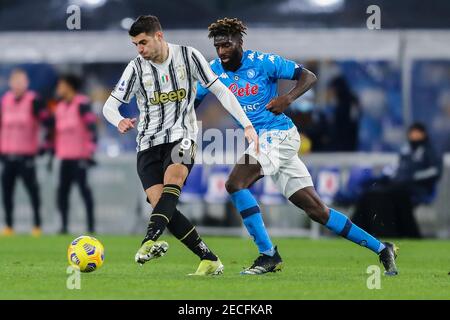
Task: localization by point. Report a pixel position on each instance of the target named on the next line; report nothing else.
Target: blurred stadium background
(399, 74)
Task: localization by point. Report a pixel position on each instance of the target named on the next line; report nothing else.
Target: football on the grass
(86, 253)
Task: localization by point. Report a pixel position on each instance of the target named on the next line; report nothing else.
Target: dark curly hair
(227, 26)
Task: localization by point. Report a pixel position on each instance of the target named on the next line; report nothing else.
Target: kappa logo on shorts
(165, 97)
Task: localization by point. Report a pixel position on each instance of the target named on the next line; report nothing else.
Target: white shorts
(278, 157)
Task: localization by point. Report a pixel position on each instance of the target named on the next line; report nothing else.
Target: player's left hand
(252, 136)
(278, 104)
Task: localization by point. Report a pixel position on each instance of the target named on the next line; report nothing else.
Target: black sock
(163, 211)
(184, 231)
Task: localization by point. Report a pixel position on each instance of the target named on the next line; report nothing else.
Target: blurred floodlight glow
(327, 3)
(126, 23)
(89, 3)
(113, 150)
(311, 6)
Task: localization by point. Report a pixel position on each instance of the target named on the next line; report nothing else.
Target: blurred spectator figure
(310, 122)
(21, 114)
(75, 143)
(386, 209)
(441, 122)
(346, 115)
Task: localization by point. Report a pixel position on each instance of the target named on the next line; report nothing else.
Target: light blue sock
(247, 206)
(342, 225)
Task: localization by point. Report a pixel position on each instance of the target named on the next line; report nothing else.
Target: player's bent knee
(233, 186)
(229, 186)
(176, 174)
(177, 180)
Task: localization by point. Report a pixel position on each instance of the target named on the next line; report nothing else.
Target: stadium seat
(270, 194)
(328, 183)
(426, 214)
(215, 191)
(195, 187)
(426, 199)
(257, 188)
(359, 177)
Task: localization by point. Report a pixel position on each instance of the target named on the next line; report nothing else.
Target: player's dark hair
(145, 24)
(227, 27)
(72, 80)
(419, 127)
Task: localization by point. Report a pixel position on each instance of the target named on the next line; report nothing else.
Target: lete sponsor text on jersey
(246, 91)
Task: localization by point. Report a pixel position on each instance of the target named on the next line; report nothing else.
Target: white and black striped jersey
(165, 94)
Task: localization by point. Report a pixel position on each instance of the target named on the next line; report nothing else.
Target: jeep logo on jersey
(172, 96)
(246, 91)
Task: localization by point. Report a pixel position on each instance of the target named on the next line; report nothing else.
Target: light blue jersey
(254, 84)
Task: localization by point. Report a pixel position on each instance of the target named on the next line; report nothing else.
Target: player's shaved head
(145, 24)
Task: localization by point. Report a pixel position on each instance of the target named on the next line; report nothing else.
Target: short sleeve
(127, 85)
(278, 67)
(202, 70)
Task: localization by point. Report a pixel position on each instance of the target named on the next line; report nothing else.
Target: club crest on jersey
(251, 73)
(165, 97)
(180, 70)
(147, 79)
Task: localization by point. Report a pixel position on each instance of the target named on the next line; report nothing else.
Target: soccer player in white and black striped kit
(163, 77)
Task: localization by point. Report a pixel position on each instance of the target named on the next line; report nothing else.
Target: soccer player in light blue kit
(252, 76)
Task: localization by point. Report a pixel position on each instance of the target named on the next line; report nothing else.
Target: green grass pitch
(313, 269)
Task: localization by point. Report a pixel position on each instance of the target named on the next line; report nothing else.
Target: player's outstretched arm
(210, 81)
(305, 81)
(201, 94)
(112, 114)
(230, 103)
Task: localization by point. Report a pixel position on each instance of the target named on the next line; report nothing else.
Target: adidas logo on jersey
(165, 97)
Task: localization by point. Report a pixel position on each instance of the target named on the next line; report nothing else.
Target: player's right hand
(252, 136)
(126, 124)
